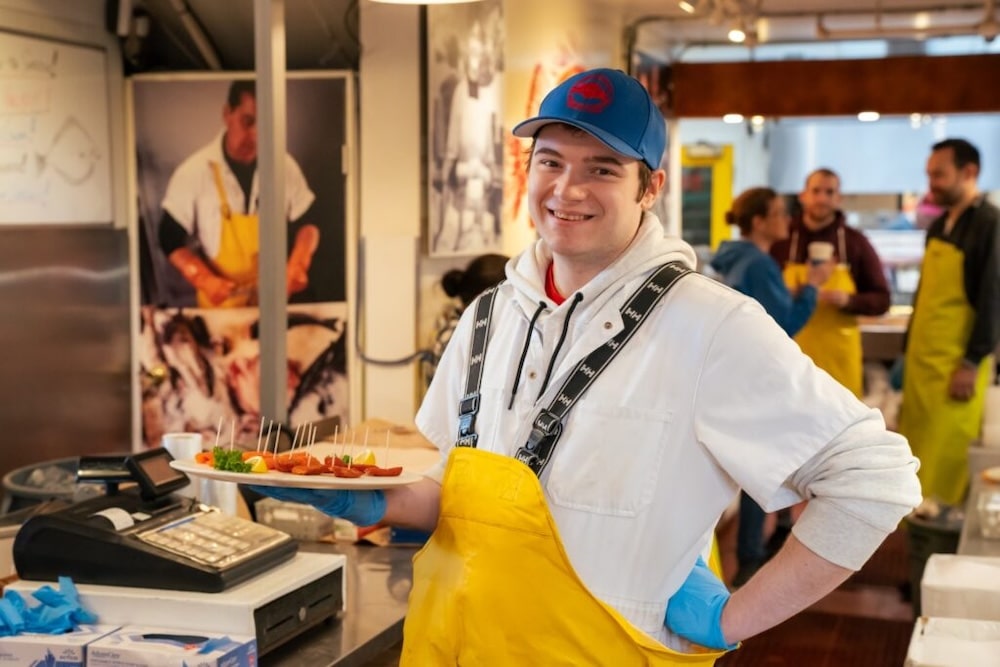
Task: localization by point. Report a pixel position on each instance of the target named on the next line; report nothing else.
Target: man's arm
(859, 485)
(300, 258)
(201, 277)
(985, 333)
(413, 506)
(982, 283)
(300, 210)
(873, 296)
(788, 583)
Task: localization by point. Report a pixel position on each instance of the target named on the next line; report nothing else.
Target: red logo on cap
(591, 94)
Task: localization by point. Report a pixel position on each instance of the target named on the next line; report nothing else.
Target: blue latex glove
(695, 610)
(57, 612)
(365, 508)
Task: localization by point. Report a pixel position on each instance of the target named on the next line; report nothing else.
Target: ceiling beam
(897, 85)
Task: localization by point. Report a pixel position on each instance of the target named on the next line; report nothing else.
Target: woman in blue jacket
(747, 266)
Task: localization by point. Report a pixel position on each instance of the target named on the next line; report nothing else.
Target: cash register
(144, 534)
(142, 554)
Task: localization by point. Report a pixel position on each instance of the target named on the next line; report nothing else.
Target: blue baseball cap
(610, 105)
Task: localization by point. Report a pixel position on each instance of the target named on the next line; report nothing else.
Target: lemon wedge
(365, 458)
(257, 464)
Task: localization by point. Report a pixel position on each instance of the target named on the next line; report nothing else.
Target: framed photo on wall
(464, 75)
(199, 234)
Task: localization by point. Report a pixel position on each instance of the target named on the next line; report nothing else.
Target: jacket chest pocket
(608, 459)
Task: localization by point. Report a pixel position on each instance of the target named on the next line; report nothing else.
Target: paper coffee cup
(820, 251)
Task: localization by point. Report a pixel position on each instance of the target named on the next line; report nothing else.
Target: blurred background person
(209, 227)
(746, 265)
(463, 286)
(857, 285)
(955, 326)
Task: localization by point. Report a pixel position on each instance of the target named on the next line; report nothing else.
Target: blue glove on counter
(695, 610)
(364, 508)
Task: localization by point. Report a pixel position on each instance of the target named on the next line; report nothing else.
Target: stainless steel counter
(378, 586)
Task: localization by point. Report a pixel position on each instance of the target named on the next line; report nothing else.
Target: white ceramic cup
(820, 251)
(183, 447)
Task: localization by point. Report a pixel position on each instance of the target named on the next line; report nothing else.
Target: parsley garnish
(229, 459)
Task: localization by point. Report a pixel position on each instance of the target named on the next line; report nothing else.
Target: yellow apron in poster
(831, 337)
(938, 427)
(237, 258)
(494, 586)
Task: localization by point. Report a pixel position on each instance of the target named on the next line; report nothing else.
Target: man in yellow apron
(209, 227)
(955, 326)
(831, 337)
(595, 420)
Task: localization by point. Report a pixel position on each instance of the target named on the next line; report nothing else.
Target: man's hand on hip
(695, 610)
(963, 382)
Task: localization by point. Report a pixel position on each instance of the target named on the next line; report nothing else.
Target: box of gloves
(958, 586)
(149, 646)
(68, 649)
(954, 642)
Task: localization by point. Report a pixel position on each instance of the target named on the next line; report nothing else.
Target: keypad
(214, 538)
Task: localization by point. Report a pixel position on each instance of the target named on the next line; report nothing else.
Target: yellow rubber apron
(493, 585)
(831, 337)
(237, 257)
(938, 427)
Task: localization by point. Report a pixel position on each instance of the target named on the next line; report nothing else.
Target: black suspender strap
(468, 407)
(548, 425)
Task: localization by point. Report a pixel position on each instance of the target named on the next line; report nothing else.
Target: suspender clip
(468, 407)
(546, 425)
(469, 404)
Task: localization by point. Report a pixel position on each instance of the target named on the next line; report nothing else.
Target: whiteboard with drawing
(55, 155)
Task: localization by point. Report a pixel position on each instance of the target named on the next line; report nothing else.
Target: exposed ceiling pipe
(197, 35)
(988, 28)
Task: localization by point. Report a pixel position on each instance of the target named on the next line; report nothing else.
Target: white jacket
(710, 395)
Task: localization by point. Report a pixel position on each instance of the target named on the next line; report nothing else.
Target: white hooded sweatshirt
(709, 395)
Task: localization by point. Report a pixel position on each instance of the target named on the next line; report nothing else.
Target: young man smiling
(599, 410)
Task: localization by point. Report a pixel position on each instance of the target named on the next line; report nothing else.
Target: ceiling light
(737, 36)
(732, 118)
(757, 121)
(687, 6)
(868, 116)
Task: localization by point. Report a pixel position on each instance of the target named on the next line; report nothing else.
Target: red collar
(551, 290)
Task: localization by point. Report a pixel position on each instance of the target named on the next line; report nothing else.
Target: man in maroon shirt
(857, 287)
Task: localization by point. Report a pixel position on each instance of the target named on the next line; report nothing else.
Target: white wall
(884, 156)
(390, 204)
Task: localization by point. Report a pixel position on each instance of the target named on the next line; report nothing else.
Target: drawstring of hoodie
(524, 351)
(577, 298)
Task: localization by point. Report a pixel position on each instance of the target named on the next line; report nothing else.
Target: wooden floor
(865, 623)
